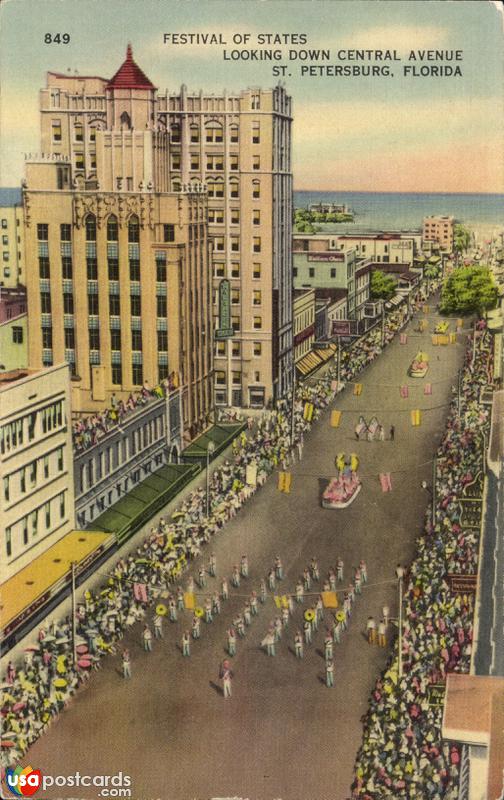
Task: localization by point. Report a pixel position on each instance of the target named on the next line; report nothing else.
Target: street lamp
(400, 577)
(210, 451)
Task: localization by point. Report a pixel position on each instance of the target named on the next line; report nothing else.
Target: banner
(415, 417)
(308, 412)
(284, 482)
(357, 389)
(329, 599)
(427, 388)
(189, 601)
(386, 482)
(404, 391)
(140, 592)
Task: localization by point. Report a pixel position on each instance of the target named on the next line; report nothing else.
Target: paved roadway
(283, 734)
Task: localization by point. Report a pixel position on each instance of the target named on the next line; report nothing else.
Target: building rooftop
(129, 75)
(8, 378)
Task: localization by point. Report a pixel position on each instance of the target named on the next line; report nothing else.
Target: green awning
(434, 259)
(144, 500)
(221, 435)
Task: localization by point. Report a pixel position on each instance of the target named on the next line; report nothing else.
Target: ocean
(402, 211)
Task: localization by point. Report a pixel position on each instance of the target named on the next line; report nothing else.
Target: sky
(400, 133)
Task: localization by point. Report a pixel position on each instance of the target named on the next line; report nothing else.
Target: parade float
(442, 327)
(419, 365)
(342, 491)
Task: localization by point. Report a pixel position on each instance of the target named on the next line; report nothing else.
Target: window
(255, 102)
(136, 340)
(235, 216)
(233, 134)
(333, 272)
(195, 162)
(236, 349)
(257, 348)
(235, 324)
(256, 297)
(114, 304)
(33, 473)
(219, 243)
(213, 133)
(161, 271)
(169, 233)
(161, 306)
(79, 160)
(294, 272)
(234, 189)
(116, 374)
(47, 338)
(5, 240)
(6, 483)
(65, 232)
(256, 270)
(44, 267)
(233, 163)
(47, 512)
(90, 228)
(112, 229)
(94, 339)
(256, 217)
(8, 541)
(92, 269)
(68, 303)
(56, 130)
(235, 296)
(215, 163)
(175, 134)
(135, 305)
(218, 270)
(257, 323)
(220, 377)
(92, 134)
(311, 272)
(69, 339)
(5, 255)
(256, 162)
(137, 374)
(235, 244)
(257, 244)
(115, 339)
(78, 132)
(42, 231)
(256, 132)
(162, 340)
(220, 348)
(215, 216)
(134, 267)
(194, 134)
(133, 229)
(24, 523)
(113, 269)
(236, 375)
(215, 189)
(60, 459)
(67, 267)
(175, 161)
(45, 302)
(235, 269)
(46, 466)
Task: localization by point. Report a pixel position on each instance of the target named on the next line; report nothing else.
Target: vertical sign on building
(224, 331)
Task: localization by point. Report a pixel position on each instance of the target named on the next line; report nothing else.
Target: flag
(251, 474)
(385, 481)
(330, 599)
(403, 338)
(140, 592)
(357, 389)
(335, 418)
(354, 462)
(404, 391)
(189, 601)
(278, 600)
(308, 412)
(427, 388)
(415, 417)
(284, 482)
(285, 601)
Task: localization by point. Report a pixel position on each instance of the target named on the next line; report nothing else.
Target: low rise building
(13, 330)
(439, 229)
(382, 246)
(12, 271)
(304, 322)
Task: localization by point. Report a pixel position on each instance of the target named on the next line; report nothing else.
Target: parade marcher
(147, 638)
(326, 586)
(172, 610)
(307, 630)
(399, 571)
(300, 445)
(235, 578)
(269, 640)
(329, 674)
(158, 626)
(319, 609)
(363, 569)
(208, 610)
(358, 581)
(240, 626)
(180, 599)
(381, 634)
(339, 569)
(381, 433)
(392, 433)
(328, 647)
(298, 645)
(314, 569)
(306, 580)
(224, 589)
(231, 642)
(336, 631)
(226, 676)
(299, 592)
(212, 565)
(278, 568)
(271, 579)
(216, 604)
(186, 644)
(247, 616)
(278, 628)
(371, 630)
(202, 578)
(253, 603)
(386, 615)
(263, 591)
(332, 580)
(196, 627)
(285, 617)
(126, 664)
(244, 568)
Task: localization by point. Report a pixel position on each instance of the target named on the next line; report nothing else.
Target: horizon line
(394, 191)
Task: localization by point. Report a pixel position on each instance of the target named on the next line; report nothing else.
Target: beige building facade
(119, 278)
(12, 266)
(439, 229)
(36, 464)
(304, 322)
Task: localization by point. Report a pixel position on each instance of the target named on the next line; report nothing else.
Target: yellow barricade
(335, 419)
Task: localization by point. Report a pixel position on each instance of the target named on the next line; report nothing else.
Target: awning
(33, 586)
(144, 500)
(314, 359)
(220, 435)
(395, 301)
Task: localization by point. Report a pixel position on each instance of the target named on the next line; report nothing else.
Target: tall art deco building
(139, 206)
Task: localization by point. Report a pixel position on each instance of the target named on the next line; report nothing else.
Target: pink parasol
(81, 649)
(18, 706)
(83, 663)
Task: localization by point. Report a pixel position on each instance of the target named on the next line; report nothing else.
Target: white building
(36, 464)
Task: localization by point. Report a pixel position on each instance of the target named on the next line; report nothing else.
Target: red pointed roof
(129, 75)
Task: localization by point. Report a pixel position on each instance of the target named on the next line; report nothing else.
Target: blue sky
(400, 133)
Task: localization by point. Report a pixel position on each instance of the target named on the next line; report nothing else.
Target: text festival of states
(350, 63)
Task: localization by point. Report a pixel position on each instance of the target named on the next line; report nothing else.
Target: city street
(283, 733)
